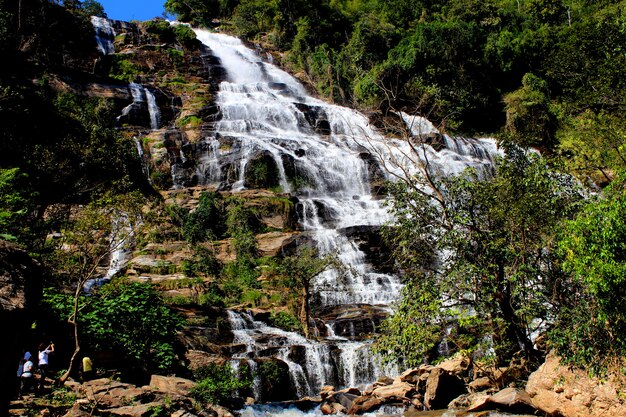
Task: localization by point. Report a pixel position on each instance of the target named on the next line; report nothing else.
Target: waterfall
(120, 247)
(153, 110)
(143, 99)
(326, 156)
(145, 168)
(105, 34)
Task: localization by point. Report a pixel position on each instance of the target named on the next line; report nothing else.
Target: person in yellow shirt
(87, 368)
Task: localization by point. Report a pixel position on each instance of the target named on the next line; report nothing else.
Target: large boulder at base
(171, 385)
(399, 391)
(509, 399)
(441, 388)
(456, 365)
(113, 394)
(365, 404)
(139, 410)
(559, 391)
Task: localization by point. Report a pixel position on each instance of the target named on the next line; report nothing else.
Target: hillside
(193, 209)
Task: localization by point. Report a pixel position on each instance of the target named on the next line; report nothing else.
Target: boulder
(509, 399)
(365, 404)
(171, 385)
(345, 399)
(480, 384)
(219, 411)
(383, 381)
(441, 388)
(272, 243)
(332, 408)
(456, 365)
(326, 391)
(76, 411)
(557, 390)
(466, 401)
(412, 376)
(139, 410)
(112, 394)
(399, 391)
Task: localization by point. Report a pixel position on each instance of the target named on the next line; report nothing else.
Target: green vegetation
(297, 272)
(218, 384)
(593, 319)
(501, 272)
(524, 251)
(127, 318)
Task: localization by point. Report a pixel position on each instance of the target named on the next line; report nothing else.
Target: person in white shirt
(43, 362)
(27, 377)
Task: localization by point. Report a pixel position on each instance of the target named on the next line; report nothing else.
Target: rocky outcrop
(427, 387)
(163, 396)
(18, 293)
(442, 387)
(558, 390)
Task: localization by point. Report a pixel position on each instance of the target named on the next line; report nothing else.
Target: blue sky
(132, 9)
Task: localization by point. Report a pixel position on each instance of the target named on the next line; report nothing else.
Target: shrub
(218, 384)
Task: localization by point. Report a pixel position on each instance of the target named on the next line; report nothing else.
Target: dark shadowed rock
(441, 388)
(18, 294)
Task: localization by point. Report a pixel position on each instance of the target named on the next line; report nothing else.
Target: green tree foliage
(594, 145)
(529, 120)
(298, 272)
(219, 384)
(498, 274)
(417, 325)
(129, 319)
(89, 238)
(204, 224)
(594, 245)
(16, 205)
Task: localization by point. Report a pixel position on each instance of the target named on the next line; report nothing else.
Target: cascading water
(153, 110)
(105, 34)
(326, 156)
(120, 248)
(143, 99)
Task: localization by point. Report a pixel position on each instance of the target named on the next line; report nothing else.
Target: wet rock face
(18, 293)
(353, 323)
(261, 172)
(275, 381)
(370, 241)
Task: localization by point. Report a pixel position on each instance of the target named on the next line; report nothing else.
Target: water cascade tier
(270, 133)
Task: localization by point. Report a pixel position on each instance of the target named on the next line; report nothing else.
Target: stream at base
(277, 410)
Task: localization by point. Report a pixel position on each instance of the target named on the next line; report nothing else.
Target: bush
(218, 384)
(285, 321)
(185, 36)
(128, 318)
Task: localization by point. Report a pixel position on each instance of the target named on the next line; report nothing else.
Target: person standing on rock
(43, 362)
(27, 377)
(87, 368)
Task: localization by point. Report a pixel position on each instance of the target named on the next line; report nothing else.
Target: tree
(88, 239)
(493, 268)
(594, 247)
(218, 384)
(129, 319)
(16, 204)
(298, 272)
(529, 121)
(594, 145)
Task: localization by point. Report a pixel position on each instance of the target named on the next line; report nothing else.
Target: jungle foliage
(466, 62)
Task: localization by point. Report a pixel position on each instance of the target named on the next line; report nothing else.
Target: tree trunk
(74, 322)
(305, 311)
